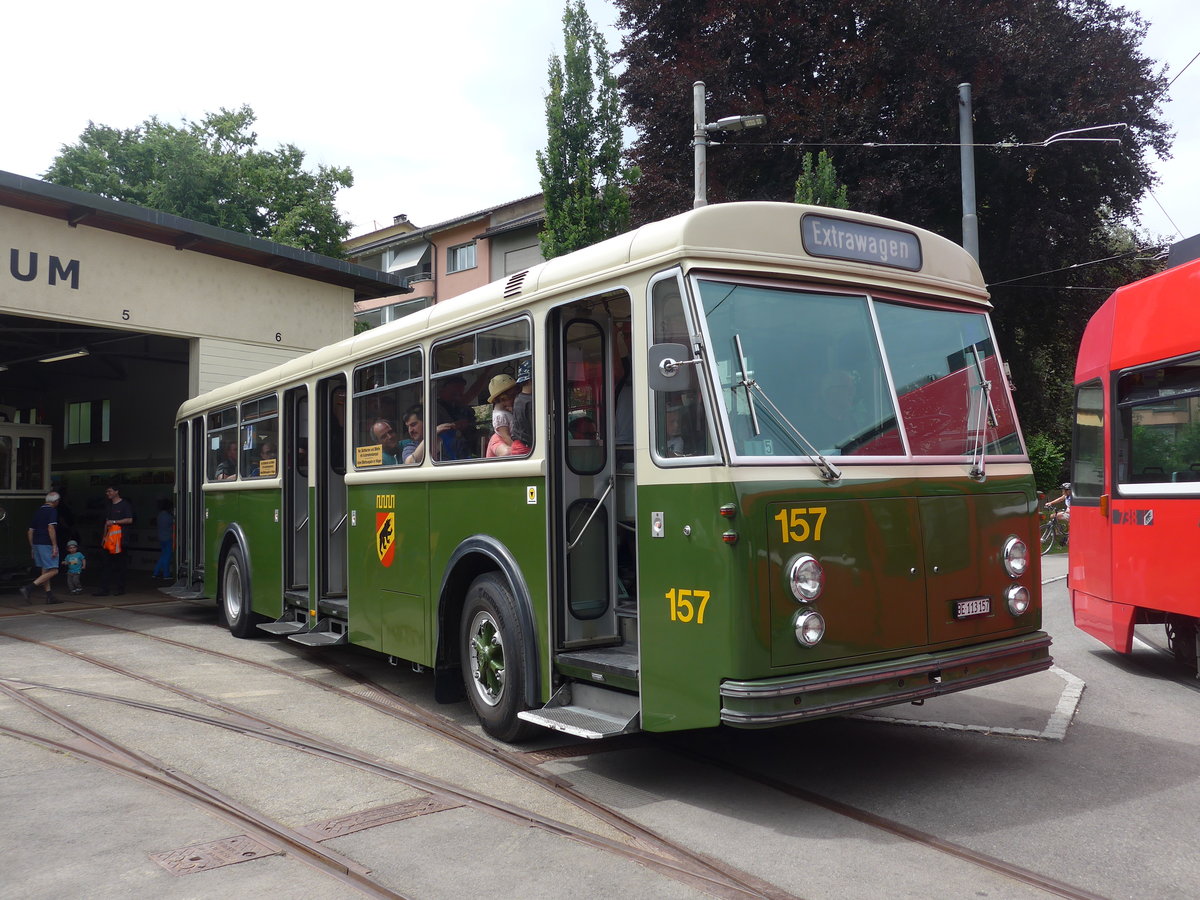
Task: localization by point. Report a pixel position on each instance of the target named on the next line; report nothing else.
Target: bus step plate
(319, 638)
(291, 627)
(587, 711)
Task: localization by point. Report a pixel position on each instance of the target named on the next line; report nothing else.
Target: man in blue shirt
(43, 544)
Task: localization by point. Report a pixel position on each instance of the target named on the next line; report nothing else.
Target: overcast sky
(437, 108)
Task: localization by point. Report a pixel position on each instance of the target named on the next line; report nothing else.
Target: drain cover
(213, 855)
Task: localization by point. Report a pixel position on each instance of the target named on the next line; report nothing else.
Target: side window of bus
(1087, 464)
(260, 437)
(1157, 442)
(680, 423)
(387, 394)
(483, 394)
(222, 445)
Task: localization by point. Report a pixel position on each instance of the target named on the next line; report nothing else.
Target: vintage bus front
(841, 512)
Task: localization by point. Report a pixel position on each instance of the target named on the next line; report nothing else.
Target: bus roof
(756, 237)
(1150, 319)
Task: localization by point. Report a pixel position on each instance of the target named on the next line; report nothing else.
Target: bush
(1047, 458)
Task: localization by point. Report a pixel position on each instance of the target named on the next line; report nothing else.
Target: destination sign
(879, 245)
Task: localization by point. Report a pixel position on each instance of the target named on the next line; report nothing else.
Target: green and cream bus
(764, 466)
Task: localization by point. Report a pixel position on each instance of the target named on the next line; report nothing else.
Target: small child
(75, 562)
(502, 390)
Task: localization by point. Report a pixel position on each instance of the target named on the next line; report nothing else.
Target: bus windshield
(818, 357)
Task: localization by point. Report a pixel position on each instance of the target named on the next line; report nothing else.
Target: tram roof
(81, 208)
(746, 237)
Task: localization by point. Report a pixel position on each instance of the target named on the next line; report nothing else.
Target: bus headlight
(1018, 599)
(806, 578)
(810, 627)
(1016, 557)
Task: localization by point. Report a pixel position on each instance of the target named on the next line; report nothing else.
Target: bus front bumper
(777, 701)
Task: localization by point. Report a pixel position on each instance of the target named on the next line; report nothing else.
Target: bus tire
(494, 654)
(235, 595)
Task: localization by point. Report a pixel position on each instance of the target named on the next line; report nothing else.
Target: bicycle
(1054, 530)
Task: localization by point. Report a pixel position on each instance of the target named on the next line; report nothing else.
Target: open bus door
(296, 510)
(595, 620)
(189, 507)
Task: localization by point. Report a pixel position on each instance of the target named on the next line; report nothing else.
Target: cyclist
(1063, 515)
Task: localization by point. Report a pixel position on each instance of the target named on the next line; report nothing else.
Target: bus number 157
(798, 523)
(687, 605)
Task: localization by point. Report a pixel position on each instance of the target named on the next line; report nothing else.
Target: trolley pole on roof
(966, 141)
(700, 141)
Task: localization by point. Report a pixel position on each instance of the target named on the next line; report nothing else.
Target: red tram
(1135, 483)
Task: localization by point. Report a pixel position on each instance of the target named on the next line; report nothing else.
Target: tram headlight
(1016, 557)
(1017, 596)
(806, 578)
(810, 627)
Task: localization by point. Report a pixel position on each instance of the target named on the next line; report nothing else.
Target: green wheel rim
(486, 649)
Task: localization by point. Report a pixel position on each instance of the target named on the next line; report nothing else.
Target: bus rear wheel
(235, 595)
(494, 654)
(1181, 640)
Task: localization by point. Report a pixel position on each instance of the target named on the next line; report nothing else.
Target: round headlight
(810, 627)
(1018, 599)
(1016, 557)
(806, 578)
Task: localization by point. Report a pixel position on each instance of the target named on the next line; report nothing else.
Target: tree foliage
(818, 183)
(583, 182)
(885, 73)
(211, 171)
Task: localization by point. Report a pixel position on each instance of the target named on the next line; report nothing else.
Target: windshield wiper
(985, 415)
(829, 472)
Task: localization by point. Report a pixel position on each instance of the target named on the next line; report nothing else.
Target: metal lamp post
(700, 140)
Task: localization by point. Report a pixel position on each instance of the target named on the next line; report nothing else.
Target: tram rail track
(645, 846)
(527, 764)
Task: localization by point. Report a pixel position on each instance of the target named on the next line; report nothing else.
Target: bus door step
(327, 633)
(291, 622)
(588, 711)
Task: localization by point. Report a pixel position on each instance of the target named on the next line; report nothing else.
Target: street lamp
(700, 139)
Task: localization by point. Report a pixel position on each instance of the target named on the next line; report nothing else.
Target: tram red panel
(1111, 623)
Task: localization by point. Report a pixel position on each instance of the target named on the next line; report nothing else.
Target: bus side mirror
(669, 368)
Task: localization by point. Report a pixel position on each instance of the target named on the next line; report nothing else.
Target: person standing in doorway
(165, 524)
(114, 549)
(43, 544)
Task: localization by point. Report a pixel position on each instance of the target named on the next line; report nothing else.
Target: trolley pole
(699, 146)
(966, 141)
(700, 141)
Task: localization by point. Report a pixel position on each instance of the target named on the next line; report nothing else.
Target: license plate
(966, 609)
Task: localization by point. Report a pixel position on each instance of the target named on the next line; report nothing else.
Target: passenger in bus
(583, 429)
(265, 452)
(461, 441)
(227, 466)
(385, 435)
(522, 430)
(502, 391)
(413, 451)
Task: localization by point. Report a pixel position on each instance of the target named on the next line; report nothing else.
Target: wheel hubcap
(233, 592)
(486, 650)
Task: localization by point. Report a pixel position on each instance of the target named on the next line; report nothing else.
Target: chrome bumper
(776, 701)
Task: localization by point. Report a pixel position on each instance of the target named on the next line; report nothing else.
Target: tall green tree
(586, 189)
(818, 183)
(211, 171)
(881, 77)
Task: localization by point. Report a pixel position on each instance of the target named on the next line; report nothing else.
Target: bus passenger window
(223, 445)
(260, 437)
(384, 393)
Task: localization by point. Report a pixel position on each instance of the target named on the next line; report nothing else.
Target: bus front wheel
(235, 595)
(494, 655)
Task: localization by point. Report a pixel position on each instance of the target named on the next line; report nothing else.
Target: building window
(460, 258)
(87, 422)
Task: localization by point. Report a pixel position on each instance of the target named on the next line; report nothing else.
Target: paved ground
(71, 828)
